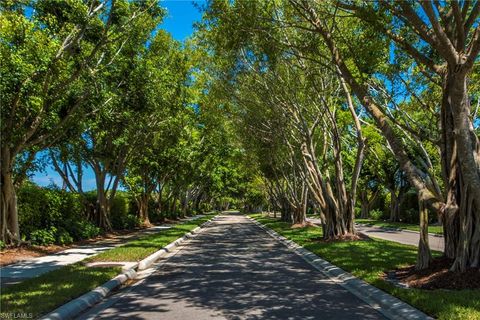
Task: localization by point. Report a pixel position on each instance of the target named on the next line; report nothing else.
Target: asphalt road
(234, 270)
(401, 236)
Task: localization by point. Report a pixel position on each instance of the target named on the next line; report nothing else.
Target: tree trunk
(185, 200)
(285, 211)
(102, 206)
(196, 205)
(394, 206)
(461, 216)
(159, 207)
(103, 210)
(365, 205)
(143, 210)
(174, 207)
(299, 215)
(9, 219)
(424, 257)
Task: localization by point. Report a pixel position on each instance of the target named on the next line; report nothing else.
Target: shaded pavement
(406, 237)
(234, 270)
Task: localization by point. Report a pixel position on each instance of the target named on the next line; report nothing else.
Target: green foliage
(121, 213)
(63, 237)
(43, 237)
(84, 230)
(50, 215)
(377, 214)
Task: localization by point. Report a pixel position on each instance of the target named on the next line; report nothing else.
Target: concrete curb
(388, 305)
(78, 305)
(396, 229)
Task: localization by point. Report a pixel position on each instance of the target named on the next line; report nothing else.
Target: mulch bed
(24, 252)
(303, 225)
(16, 254)
(438, 276)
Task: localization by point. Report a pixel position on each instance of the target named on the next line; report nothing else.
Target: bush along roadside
(48, 291)
(49, 215)
(369, 260)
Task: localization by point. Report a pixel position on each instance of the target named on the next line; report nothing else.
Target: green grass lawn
(368, 260)
(46, 292)
(400, 225)
(141, 248)
(52, 289)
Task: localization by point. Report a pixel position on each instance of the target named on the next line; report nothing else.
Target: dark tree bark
(10, 232)
(424, 256)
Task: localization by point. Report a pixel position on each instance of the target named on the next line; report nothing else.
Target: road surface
(234, 270)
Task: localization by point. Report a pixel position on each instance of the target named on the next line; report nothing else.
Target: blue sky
(181, 14)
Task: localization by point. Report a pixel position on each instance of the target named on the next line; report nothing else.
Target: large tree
(47, 48)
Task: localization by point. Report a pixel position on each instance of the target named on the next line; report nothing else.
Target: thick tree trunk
(451, 174)
(394, 206)
(334, 226)
(143, 210)
(424, 257)
(286, 209)
(461, 170)
(334, 214)
(103, 211)
(102, 206)
(299, 214)
(10, 232)
(365, 205)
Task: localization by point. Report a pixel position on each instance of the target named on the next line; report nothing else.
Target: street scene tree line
(338, 99)
(341, 109)
(96, 86)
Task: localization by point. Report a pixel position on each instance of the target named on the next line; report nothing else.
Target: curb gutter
(76, 306)
(388, 305)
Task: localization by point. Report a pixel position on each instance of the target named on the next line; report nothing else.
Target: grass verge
(141, 248)
(369, 259)
(48, 291)
(400, 225)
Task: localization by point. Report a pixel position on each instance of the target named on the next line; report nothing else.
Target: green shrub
(2, 245)
(410, 216)
(50, 215)
(358, 212)
(85, 230)
(377, 214)
(43, 237)
(120, 215)
(63, 237)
